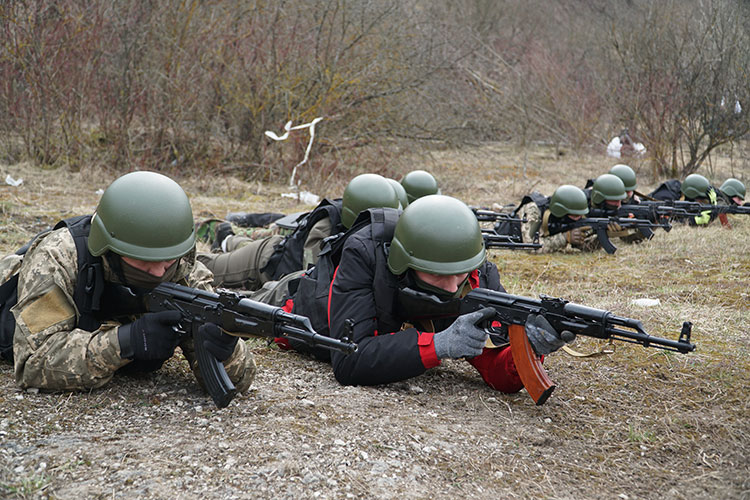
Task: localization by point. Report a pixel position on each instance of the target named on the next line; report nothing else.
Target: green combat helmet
(733, 187)
(418, 183)
(626, 175)
(363, 192)
(439, 235)
(607, 187)
(695, 186)
(145, 216)
(400, 192)
(568, 200)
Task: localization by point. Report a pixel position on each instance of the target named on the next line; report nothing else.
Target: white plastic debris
(288, 127)
(12, 182)
(646, 302)
(304, 196)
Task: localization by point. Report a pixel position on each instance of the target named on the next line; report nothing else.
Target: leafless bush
(175, 84)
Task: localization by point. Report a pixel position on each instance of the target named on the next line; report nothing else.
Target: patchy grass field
(639, 423)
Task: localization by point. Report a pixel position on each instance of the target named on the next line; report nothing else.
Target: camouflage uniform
(536, 225)
(51, 353)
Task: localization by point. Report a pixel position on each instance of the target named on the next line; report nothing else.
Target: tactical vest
(311, 297)
(513, 228)
(289, 253)
(87, 293)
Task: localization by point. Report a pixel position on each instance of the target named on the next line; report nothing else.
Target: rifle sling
(545, 223)
(608, 348)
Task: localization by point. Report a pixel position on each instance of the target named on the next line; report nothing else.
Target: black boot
(223, 231)
(248, 219)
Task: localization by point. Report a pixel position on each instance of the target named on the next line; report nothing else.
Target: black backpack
(86, 295)
(288, 254)
(315, 283)
(667, 191)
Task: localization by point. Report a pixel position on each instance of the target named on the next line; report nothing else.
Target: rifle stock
(485, 215)
(494, 240)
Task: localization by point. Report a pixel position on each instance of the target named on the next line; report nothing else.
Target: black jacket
(364, 295)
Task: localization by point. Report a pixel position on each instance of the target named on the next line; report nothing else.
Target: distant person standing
(623, 145)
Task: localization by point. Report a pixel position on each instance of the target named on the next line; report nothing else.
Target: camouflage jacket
(51, 353)
(550, 243)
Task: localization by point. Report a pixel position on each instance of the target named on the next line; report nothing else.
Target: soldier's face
(574, 217)
(157, 268)
(613, 203)
(737, 200)
(448, 282)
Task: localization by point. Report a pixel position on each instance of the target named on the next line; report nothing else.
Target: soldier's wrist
(125, 341)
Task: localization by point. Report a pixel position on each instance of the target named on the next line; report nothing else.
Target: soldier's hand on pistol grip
(463, 339)
(152, 337)
(218, 343)
(575, 236)
(543, 337)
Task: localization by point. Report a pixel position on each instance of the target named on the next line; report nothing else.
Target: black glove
(543, 337)
(463, 339)
(151, 337)
(215, 341)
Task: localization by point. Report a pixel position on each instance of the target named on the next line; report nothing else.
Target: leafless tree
(682, 75)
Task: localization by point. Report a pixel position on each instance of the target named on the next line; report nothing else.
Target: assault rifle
(599, 226)
(693, 208)
(655, 213)
(681, 210)
(494, 240)
(512, 312)
(235, 315)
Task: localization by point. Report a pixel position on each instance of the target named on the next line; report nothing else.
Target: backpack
(288, 254)
(315, 283)
(667, 191)
(86, 295)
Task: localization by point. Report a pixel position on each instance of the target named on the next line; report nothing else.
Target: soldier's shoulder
(530, 210)
(195, 273)
(58, 243)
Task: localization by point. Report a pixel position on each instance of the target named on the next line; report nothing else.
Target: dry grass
(639, 423)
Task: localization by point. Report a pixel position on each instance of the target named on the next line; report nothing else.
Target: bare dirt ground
(639, 423)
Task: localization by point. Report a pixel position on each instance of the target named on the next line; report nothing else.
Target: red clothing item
(283, 342)
(498, 370)
(426, 343)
